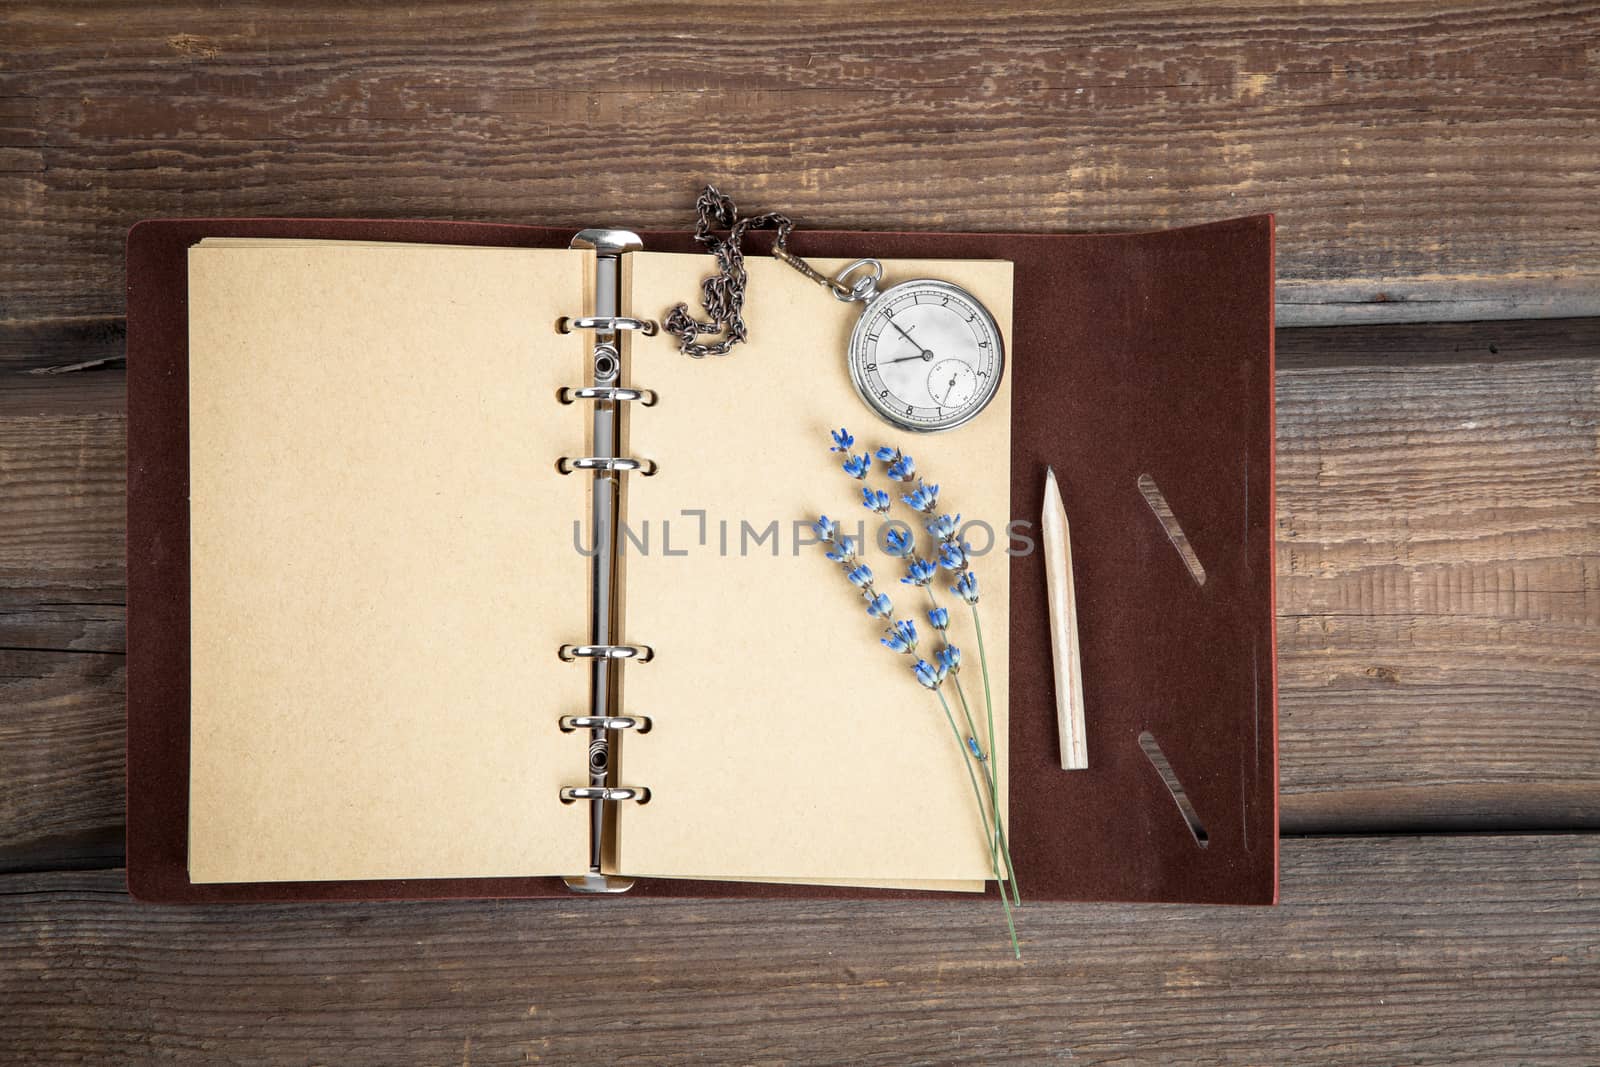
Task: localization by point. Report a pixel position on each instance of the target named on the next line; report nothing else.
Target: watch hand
(923, 353)
(903, 333)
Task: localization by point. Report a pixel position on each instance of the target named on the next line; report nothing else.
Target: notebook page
(787, 743)
(381, 570)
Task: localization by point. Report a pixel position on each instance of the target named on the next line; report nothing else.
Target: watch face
(926, 356)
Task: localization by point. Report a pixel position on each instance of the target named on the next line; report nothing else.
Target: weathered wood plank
(57, 366)
(63, 481)
(62, 780)
(1439, 547)
(1384, 950)
(1426, 161)
(62, 617)
(1359, 301)
(1439, 561)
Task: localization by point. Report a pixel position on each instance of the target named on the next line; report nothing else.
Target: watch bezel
(858, 378)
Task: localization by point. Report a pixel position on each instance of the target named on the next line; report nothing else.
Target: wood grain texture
(1384, 950)
(62, 617)
(1439, 560)
(1438, 504)
(1432, 161)
(1438, 553)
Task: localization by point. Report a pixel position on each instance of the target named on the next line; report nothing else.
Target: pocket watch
(925, 354)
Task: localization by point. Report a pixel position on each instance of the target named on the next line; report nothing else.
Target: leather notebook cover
(1139, 361)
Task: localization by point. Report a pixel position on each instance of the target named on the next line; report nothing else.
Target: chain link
(722, 294)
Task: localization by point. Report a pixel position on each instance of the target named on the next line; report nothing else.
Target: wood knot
(192, 44)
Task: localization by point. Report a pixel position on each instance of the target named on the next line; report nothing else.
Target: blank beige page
(787, 743)
(381, 560)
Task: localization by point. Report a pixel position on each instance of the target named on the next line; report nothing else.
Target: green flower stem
(972, 732)
(977, 794)
(991, 774)
(983, 810)
(988, 700)
(991, 769)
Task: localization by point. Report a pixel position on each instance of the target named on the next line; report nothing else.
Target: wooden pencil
(1057, 538)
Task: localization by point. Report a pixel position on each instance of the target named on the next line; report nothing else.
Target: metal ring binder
(568, 464)
(604, 649)
(608, 323)
(605, 722)
(568, 394)
(642, 653)
(596, 792)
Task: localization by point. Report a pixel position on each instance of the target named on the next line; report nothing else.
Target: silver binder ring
(642, 653)
(567, 394)
(568, 464)
(604, 792)
(606, 323)
(605, 722)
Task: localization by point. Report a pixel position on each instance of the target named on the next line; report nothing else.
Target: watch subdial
(951, 383)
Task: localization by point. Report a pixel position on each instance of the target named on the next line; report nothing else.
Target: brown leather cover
(1131, 354)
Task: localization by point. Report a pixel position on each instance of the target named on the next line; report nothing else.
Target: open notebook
(386, 556)
(350, 563)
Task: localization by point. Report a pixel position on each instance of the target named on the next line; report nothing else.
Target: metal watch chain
(722, 294)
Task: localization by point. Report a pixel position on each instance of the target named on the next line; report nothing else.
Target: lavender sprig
(954, 555)
(845, 551)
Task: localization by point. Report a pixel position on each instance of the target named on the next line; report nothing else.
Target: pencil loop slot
(568, 394)
(605, 324)
(572, 793)
(642, 653)
(568, 464)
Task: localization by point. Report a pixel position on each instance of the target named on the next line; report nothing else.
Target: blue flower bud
(903, 469)
(858, 466)
(880, 607)
(845, 550)
(966, 587)
(939, 618)
(842, 440)
(949, 658)
(875, 500)
(861, 576)
(826, 529)
(919, 572)
(902, 637)
(927, 674)
(898, 543)
(887, 454)
(924, 498)
(945, 526)
(977, 753)
(953, 555)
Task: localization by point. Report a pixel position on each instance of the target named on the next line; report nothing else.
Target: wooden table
(1439, 505)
